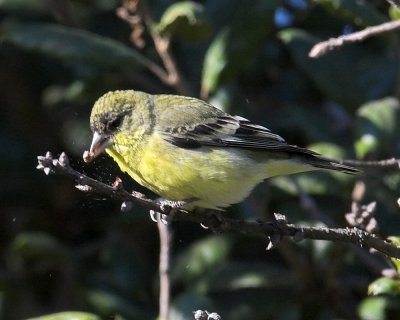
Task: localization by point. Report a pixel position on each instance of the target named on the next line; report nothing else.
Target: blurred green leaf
(240, 275)
(201, 257)
(225, 97)
(394, 13)
(365, 144)
(215, 62)
(351, 76)
(233, 48)
(379, 308)
(30, 244)
(107, 303)
(37, 251)
(359, 12)
(332, 151)
(377, 126)
(328, 150)
(68, 315)
(395, 240)
(185, 304)
(372, 309)
(185, 20)
(31, 6)
(384, 285)
(258, 282)
(315, 183)
(69, 44)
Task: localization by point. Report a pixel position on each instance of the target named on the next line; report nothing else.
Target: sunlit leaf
(215, 62)
(68, 315)
(379, 308)
(377, 126)
(233, 48)
(384, 285)
(394, 13)
(395, 241)
(185, 20)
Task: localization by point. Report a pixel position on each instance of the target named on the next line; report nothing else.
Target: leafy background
(63, 250)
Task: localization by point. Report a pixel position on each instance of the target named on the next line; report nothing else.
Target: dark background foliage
(62, 249)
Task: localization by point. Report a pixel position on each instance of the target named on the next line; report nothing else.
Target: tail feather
(330, 164)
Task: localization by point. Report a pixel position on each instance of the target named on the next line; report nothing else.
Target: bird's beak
(99, 143)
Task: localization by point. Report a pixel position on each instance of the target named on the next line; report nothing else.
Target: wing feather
(229, 131)
(223, 130)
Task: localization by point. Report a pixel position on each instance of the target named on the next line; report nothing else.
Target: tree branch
(324, 47)
(162, 44)
(135, 12)
(165, 281)
(389, 164)
(274, 230)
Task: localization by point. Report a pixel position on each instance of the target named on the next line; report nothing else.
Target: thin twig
(309, 204)
(134, 12)
(127, 13)
(264, 229)
(162, 44)
(324, 47)
(389, 164)
(165, 248)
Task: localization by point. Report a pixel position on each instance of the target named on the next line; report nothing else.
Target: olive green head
(113, 113)
(110, 110)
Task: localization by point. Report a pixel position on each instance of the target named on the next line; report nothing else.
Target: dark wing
(229, 131)
(238, 132)
(192, 123)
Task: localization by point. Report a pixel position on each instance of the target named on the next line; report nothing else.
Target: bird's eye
(113, 124)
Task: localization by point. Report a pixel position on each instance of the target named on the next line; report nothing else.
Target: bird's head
(111, 115)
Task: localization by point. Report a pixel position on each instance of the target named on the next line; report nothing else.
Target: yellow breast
(218, 177)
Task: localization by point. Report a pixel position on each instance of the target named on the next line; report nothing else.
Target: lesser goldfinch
(184, 148)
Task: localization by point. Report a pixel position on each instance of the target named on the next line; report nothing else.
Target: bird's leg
(168, 208)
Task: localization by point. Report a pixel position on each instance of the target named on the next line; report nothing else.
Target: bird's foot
(159, 217)
(168, 209)
(167, 205)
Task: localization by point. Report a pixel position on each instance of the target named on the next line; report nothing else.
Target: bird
(187, 151)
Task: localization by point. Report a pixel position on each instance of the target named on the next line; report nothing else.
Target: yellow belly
(218, 177)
